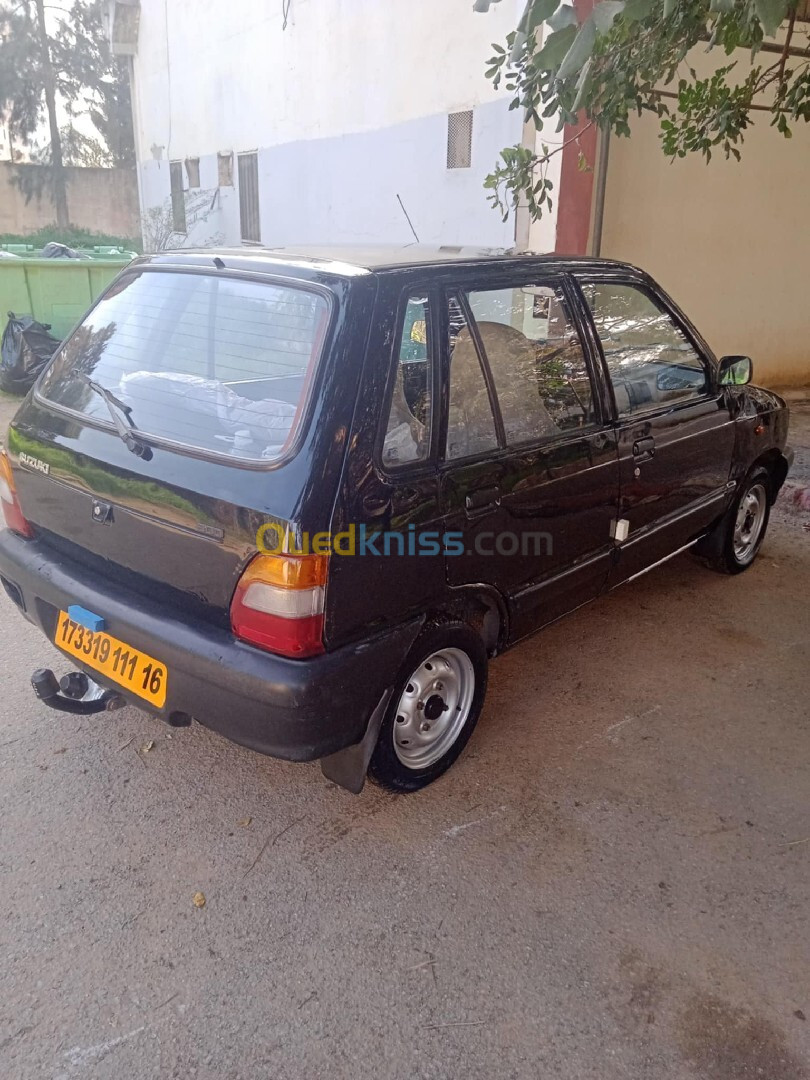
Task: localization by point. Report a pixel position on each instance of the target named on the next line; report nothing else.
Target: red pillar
(576, 188)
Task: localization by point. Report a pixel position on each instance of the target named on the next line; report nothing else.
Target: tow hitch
(74, 693)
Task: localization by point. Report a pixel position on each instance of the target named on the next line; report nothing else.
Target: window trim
(428, 463)
(651, 290)
(573, 299)
(303, 421)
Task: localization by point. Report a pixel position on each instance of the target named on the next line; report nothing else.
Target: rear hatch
(165, 431)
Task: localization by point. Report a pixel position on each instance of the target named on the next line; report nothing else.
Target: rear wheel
(743, 528)
(435, 706)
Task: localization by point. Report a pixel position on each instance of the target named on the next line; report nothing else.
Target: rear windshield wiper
(125, 430)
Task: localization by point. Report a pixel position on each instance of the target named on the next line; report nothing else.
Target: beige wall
(104, 200)
(730, 242)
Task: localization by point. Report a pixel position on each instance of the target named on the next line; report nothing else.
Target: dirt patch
(646, 988)
(723, 1042)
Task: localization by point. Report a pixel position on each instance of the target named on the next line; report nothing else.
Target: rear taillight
(8, 498)
(278, 604)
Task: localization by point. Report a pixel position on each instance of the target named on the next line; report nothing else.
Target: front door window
(650, 359)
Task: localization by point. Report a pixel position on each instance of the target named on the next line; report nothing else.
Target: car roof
(352, 260)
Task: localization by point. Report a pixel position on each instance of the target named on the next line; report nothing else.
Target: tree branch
(751, 105)
(543, 158)
(786, 49)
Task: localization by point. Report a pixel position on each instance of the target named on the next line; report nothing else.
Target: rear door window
(410, 414)
(537, 362)
(471, 426)
(215, 363)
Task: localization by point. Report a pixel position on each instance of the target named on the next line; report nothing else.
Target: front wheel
(435, 706)
(743, 528)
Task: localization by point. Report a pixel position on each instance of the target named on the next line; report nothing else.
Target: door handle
(644, 449)
(406, 498)
(483, 499)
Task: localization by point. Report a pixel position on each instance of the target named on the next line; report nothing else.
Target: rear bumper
(299, 710)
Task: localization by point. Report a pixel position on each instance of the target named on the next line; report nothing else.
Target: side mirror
(735, 370)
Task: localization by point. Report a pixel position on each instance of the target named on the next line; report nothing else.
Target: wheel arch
(483, 608)
(776, 464)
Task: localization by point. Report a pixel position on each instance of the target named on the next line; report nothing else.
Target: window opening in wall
(249, 198)
(178, 196)
(193, 171)
(459, 140)
(225, 168)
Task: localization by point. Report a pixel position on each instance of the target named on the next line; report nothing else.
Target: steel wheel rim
(433, 708)
(749, 523)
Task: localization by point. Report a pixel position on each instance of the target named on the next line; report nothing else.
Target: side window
(538, 365)
(650, 359)
(470, 423)
(407, 437)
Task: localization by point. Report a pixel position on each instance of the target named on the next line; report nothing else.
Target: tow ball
(74, 693)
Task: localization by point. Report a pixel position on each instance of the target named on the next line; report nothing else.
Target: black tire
(722, 553)
(386, 767)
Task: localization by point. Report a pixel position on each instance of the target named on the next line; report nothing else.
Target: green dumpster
(55, 291)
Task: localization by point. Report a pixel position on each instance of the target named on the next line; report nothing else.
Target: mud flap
(348, 767)
(710, 546)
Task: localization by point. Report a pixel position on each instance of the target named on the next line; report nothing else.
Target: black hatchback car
(304, 497)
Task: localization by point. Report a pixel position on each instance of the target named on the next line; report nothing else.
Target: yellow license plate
(130, 668)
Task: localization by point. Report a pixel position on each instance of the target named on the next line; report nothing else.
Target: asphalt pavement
(613, 881)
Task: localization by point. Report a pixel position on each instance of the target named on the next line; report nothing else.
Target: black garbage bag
(54, 250)
(24, 351)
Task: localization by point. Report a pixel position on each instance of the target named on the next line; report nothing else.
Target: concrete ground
(613, 881)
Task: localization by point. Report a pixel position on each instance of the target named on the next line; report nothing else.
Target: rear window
(215, 363)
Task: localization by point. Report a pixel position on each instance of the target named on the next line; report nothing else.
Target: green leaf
(539, 12)
(556, 46)
(669, 7)
(636, 10)
(770, 13)
(582, 83)
(562, 17)
(605, 12)
(580, 51)
(518, 46)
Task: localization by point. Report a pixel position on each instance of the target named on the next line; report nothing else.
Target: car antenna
(405, 212)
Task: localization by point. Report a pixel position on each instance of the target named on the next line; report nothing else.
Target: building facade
(318, 121)
(329, 121)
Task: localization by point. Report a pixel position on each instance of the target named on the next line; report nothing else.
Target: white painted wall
(347, 107)
(543, 232)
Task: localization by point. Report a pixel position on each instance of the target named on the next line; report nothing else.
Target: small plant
(73, 236)
(157, 223)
